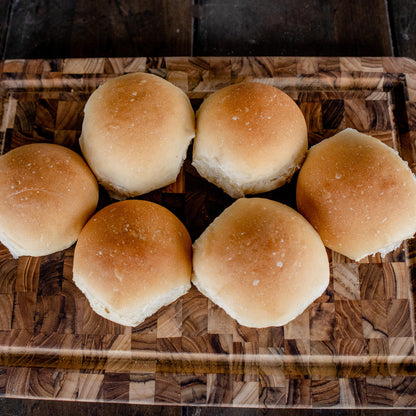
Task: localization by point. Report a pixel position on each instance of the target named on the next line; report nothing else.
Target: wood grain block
(271, 397)
(77, 66)
(167, 388)
(115, 387)
(378, 346)
(298, 328)
(219, 322)
(219, 389)
(325, 392)
(372, 282)
(245, 393)
(27, 275)
(356, 115)
(194, 389)
(169, 322)
(8, 270)
(398, 318)
(194, 314)
(24, 309)
(6, 311)
(25, 116)
(3, 380)
(411, 88)
(353, 347)
(142, 387)
(374, 318)
(323, 348)
(88, 385)
(295, 347)
(322, 321)
(354, 391)
(272, 337)
(404, 389)
(346, 281)
(299, 392)
(61, 320)
(20, 384)
(245, 370)
(401, 346)
(348, 320)
(69, 115)
(379, 391)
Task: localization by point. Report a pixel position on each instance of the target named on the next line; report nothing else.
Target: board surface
(355, 345)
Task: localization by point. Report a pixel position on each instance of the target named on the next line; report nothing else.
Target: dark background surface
(115, 28)
(125, 28)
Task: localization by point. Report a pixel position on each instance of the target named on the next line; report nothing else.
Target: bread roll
(250, 138)
(260, 261)
(136, 132)
(132, 258)
(47, 194)
(358, 194)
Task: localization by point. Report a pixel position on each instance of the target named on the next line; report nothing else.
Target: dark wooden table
(116, 28)
(110, 28)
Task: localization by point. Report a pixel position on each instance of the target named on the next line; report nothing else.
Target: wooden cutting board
(354, 347)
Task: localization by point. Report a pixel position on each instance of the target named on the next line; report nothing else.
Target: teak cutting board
(354, 347)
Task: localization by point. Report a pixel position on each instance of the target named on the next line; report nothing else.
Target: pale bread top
(47, 193)
(261, 261)
(358, 194)
(135, 133)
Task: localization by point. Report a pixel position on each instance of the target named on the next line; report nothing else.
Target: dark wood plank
(292, 28)
(86, 28)
(198, 411)
(19, 407)
(4, 16)
(402, 21)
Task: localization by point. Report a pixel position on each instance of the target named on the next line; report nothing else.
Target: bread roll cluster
(263, 262)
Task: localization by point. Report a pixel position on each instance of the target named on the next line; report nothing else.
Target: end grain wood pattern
(353, 347)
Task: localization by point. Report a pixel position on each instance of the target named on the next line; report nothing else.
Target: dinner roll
(136, 132)
(260, 261)
(251, 138)
(358, 194)
(47, 194)
(132, 258)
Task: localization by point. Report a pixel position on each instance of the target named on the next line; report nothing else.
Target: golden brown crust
(136, 131)
(249, 135)
(47, 193)
(130, 256)
(358, 194)
(261, 261)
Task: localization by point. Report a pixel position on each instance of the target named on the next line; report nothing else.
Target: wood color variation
(402, 14)
(353, 348)
(292, 28)
(70, 28)
(75, 29)
(4, 16)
